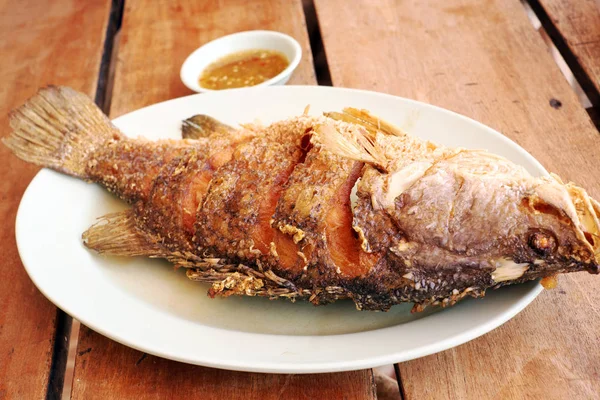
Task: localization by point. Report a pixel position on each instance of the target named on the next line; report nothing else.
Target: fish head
(564, 225)
(476, 216)
(466, 213)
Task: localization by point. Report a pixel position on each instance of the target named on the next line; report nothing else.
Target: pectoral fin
(119, 234)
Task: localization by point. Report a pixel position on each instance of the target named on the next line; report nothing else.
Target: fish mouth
(588, 224)
(596, 237)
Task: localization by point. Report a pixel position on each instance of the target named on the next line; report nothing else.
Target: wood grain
(108, 370)
(57, 42)
(484, 60)
(157, 37)
(154, 41)
(574, 27)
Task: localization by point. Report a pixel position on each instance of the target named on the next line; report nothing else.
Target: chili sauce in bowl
(245, 59)
(244, 68)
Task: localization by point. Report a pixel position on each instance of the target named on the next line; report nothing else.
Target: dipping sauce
(245, 68)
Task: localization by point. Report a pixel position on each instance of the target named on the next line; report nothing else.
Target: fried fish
(341, 205)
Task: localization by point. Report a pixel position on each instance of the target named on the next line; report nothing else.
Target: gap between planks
(556, 55)
(107, 65)
(399, 380)
(60, 350)
(63, 358)
(316, 43)
(564, 67)
(594, 114)
(560, 46)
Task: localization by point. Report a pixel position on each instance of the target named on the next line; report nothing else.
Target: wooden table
(481, 59)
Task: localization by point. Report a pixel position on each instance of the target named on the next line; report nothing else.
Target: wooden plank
(107, 370)
(56, 42)
(484, 60)
(158, 36)
(574, 27)
(154, 41)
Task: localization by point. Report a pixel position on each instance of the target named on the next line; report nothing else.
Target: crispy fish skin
(170, 213)
(129, 168)
(261, 211)
(235, 218)
(145, 174)
(304, 205)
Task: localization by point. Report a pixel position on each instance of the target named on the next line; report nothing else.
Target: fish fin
(370, 122)
(236, 279)
(118, 234)
(202, 126)
(353, 144)
(58, 128)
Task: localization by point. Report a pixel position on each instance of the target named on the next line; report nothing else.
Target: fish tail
(118, 234)
(59, 128)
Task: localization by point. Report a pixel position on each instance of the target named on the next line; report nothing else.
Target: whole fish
(341, 205)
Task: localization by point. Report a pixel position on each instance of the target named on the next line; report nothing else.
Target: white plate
(144, 304)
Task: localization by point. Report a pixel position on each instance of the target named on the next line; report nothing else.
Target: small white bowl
(212, 51)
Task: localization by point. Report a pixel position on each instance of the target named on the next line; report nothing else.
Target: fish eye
(542, 242)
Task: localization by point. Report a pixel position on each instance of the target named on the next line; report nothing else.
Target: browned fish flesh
(271, 210)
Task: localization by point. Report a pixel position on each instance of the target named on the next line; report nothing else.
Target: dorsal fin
(364, 118)
(355, 144)
(202, 126)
